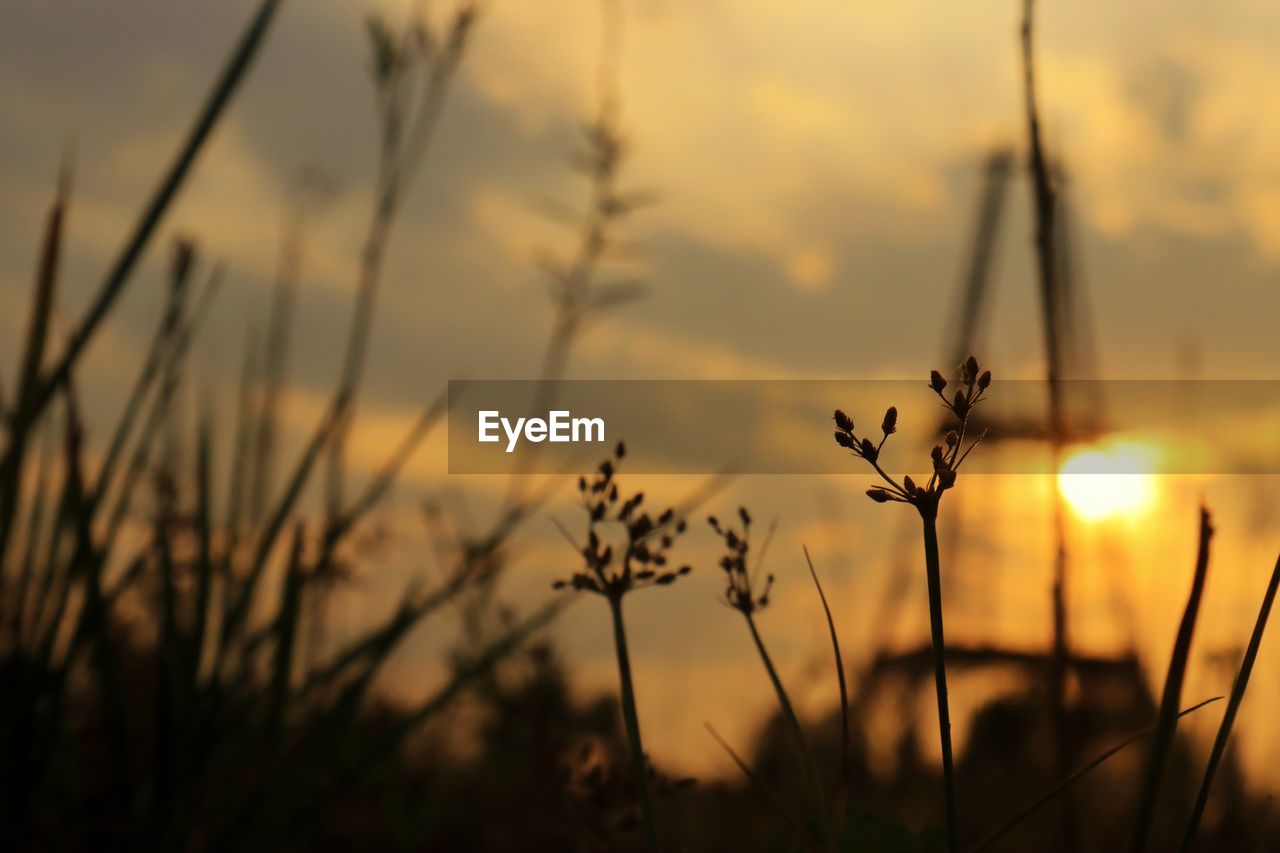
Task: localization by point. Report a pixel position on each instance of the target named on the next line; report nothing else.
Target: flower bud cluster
(945, 458)
(740, 592)
(642, 560)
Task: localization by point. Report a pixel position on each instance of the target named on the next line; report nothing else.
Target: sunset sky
(815, 170)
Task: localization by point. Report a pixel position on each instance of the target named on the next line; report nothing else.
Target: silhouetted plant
(743, 593)
(1161, 744)
(1238, 688)
(640, 562)
(947, 459)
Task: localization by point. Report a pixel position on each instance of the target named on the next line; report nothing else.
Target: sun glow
(1108, 482)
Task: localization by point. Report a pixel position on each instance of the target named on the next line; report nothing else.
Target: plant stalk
(631, 718)
(933, 573)
(1233, 707)
(793, 723)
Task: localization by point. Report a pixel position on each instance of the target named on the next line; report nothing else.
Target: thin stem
(639, 771)
(933, 572)
(793, 721)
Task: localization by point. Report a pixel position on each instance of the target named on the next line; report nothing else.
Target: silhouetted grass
(215, 728)
(743, 592)
(1238, 689)
(947, 459)
(641, 562)
(1049, 795)
(1166, 722)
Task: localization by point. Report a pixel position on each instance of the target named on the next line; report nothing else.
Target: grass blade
(228, 82)
(25, 413)
(204, 554)
(771, 797)
(386, 477)
(793, 725)
(36, 518)
(286, 634)
(1057, 789)
(844, 690)
(1233, 706)
(1167, 719)
(631, 719)
(242, 442)
(154, 421)
(161, 344)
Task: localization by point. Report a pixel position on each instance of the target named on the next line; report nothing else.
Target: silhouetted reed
(1161, 743)
(243, 736)
(747, 590)
(412, 71)
(1238, 688)
(947, 459)
(639, 562)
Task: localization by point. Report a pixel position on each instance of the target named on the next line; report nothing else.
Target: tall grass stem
(933, 573)
(793, 724)
(631, 718)
(1233, 707)
(1167, 718)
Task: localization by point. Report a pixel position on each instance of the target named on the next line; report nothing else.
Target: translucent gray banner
(785, 426)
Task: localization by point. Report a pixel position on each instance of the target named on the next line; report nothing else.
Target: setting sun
(1101, 483)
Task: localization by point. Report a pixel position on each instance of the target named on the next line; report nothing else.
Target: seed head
(739, 592)
(936, 382)
(614, 573)
(890, 424)
(843, 422)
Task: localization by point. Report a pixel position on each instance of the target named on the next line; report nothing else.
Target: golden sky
(816, 164)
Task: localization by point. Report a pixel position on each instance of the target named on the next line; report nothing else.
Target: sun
(1107, 482)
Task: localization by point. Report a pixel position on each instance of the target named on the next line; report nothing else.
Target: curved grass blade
(844, 691)
(228, 82)
(772, 798)
(1233, 707)
(1167, 718)
(1057, 789)
(25, 415)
